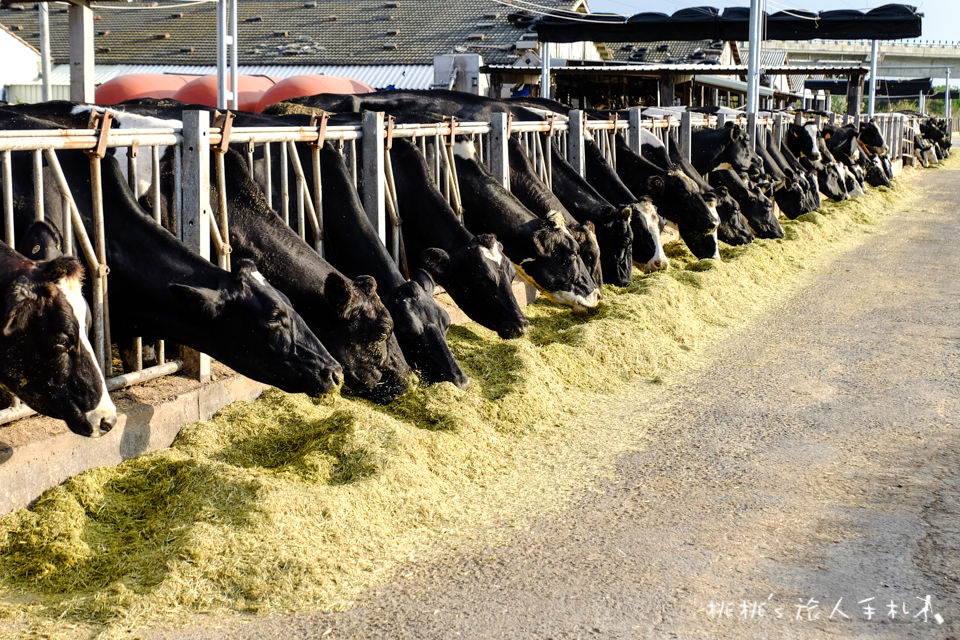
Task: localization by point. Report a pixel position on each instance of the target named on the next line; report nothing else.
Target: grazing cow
(537, 197)
(543, 251)
(724, 148)
(754, 206)
(171, 293)
(792, 167)
(805, 143)
(472, 269)
(45, 356)
(677, 197)
(733, 227)
(347, 315)
(788, 193)
(352, 245)
(612, 224)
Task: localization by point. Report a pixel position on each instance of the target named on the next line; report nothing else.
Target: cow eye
(278, 320)
(62, 342)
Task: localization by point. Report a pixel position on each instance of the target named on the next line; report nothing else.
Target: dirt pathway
(815, 464)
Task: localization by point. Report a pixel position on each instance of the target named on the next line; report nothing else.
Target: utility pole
(874, 54)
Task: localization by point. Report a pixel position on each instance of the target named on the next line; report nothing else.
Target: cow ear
(21, 304)
(435, 261)
(340, 292)
(422, 278)
(626, 213)
(244, 268)
(61, 267)
(555, 218)
(545, 238)
(208, 302)
(367, 284)
(735, 132)
(487, 240)
(655, 185)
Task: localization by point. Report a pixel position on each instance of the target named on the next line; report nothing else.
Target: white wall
(21, 63)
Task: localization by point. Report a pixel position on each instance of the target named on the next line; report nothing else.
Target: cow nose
(336, 376)
(107, 423)
(514, 330)
(461, 379)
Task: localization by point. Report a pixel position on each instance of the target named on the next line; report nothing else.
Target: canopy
(889, 22)
(884, 87)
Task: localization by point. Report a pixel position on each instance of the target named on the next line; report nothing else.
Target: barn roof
(668, 51)
(295, 32)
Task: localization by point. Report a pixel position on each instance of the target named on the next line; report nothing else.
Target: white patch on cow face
(716, 252)
(493, 255)
(256, 275)
(105, 408)
(575, 301)
(464, 149)
(714, 216)
(725, 165)
(650, 220)
(556, 219)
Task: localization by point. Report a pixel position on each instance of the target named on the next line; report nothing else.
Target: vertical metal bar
(67, 231)
(8, 235)
(234, 69)
(101, 326)
(545, 70)
(38, 184)
(81, 52)
(317, 196)
(155, 182)
(268, 173)
(301, 216)
(177, 204)
(372, 186)
(499, 163)
(874, 54)
(45, 50)
(132, 180)
(352, 160)
(222, 213)
(634, 131)
(284, 184)
(196, 210)
(222, 54)
(250, 160)
(752, 129)
(686, 129)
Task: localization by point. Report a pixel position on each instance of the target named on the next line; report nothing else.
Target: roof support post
(854, 94)
(753, 67)
(499, 137)
(668, 90)
(922, 104)
(234, 73)
(45, 50)
(874, 54)
(545, 70)
(946, 98)
(372, 182)
(196, 211)
(81, 52)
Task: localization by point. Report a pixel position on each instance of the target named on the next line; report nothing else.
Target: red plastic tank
(140, 85)
(309, 85)
(203, 91)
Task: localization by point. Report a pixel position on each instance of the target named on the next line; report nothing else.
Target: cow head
(479, 278)
(791, 198)
(738, 153)
(702, 245)
(267, 334)
(555, 266)
(41, 241)
(802, 141)
(615, 238)
(361, 338)
(679, 198)
(760, 214)
(421, 328)
(871, 136)
(589, 249)
(647, 224)
(733, 227)
(45, 356)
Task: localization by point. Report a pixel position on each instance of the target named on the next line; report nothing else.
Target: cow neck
(606, 180)
(489, 208)
(422, 206)
(577, 195)
(352, 243)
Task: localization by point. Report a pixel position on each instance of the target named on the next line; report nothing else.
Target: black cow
(612, 224)
(537, 197)
(724, 148)
(352, 245)
(543, 251)
(792, 168)
(755, 207)
(472, 269)
(788, 192)
(45, 356)
(677, 197)
(733, 227)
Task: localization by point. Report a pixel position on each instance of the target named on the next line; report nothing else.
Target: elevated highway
(907, 59)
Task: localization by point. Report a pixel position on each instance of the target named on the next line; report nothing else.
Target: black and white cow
(733, 227)
(543, 251)
(724, 148)
(754, 206)
(472, 269)
(46, 359)
(352, 245)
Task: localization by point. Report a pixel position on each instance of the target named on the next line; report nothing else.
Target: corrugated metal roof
(400, 76)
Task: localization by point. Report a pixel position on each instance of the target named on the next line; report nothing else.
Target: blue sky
(941, 19)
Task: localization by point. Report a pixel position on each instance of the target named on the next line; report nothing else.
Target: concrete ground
(804, 485)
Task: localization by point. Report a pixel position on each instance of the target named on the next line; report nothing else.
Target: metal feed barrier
(201, 224)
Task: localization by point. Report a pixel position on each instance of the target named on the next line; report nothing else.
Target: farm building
(385, 44)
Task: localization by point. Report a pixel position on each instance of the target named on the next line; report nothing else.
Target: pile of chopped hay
(293, 503)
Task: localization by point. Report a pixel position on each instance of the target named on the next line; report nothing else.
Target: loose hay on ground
(294, 503)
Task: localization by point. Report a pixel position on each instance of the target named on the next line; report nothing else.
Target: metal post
(222, 54)
(234, 69)
(777, 130)
(81, 53)
(686, 127)
(946, 98)
(196, 210)
(874, 54)
(753, 66)
(372, 184)
(545, 70)
(45, 50)
(634, 131)
(499, 159)
(922, 104)
(8, 235)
